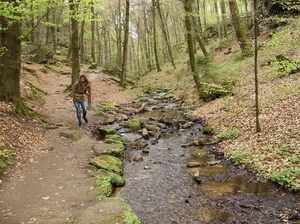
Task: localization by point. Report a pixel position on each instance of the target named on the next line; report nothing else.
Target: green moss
(114, 138)
(104, 130)
(103, 186)
(198, 153)
(109, 163)
(133, 124)
(208, 129)
(6, 157)
(152, 128)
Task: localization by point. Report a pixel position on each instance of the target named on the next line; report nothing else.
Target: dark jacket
(79, 89)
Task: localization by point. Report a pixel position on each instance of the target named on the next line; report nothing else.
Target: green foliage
(212, 91)
(284, 177)
(236, 158)
(285, 149)
(6, 157)
(233, 133)
(149, 89)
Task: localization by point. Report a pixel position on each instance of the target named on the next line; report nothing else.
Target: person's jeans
(78, 111)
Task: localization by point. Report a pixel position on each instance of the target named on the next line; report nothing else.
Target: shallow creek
(172, 182)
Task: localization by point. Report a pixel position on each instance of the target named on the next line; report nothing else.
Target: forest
(134, 38)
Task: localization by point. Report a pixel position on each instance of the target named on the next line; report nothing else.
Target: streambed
(172, 180)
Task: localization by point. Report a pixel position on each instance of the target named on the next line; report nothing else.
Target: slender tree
(125, 46)
(165, 34)
(154, 3)
(198, 35)
(93, 43)
(258, 128)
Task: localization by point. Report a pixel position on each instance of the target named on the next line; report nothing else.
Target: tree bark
(165, 34)
(258, 128)
(93, 32)
(198, 35)
(158, 69)
(188, 24)
(125, 47)
(74, 41)
(224, 20)
(239, 29)
(10, 63)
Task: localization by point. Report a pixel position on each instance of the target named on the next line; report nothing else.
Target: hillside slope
(274, 152)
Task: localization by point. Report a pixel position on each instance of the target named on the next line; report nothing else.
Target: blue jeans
(78, 111)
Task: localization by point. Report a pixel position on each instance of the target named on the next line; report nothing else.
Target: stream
(173, 180)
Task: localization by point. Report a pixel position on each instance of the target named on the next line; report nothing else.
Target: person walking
(79, 92)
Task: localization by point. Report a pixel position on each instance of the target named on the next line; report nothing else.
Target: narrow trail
(53, 187)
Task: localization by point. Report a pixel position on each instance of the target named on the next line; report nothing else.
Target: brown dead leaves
(278, 145)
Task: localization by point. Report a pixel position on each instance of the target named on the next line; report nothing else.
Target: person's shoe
(79, 124)
(86, 120)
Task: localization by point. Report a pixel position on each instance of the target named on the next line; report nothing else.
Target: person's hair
(85, 78)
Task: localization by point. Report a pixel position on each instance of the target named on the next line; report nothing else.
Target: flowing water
(172, 182)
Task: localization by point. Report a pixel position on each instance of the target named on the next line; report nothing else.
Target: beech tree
(188, 24)
(239, 29)
(125, 46)
(10, 55)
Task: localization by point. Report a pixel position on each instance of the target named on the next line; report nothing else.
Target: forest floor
(49, 177)
(49, 181)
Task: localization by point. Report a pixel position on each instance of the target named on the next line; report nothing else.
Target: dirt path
(54, 186)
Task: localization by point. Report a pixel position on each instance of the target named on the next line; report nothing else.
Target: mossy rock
(103, 186)
(198, 153)
(113, 210)
(114, 138)
(208, 129)
(70, 134)
(103, 130)
(133, 124)
(109, 163)
(153, 128)
(203, 141)
(212, 91)
(115, 179)
(113, 149)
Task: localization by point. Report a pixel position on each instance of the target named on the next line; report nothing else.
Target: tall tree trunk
(224, 32)
(165, 34)
(10, 63)
(125, 46)
(158, 69)
(93, 32)
(239, 29)
(204, 13)
(218, 17)
(188, 24)
(99, 47)
(74, 41)
(258, 128)
(82, 47)
(119, 35)
(47, 27)
(54, 30)
(198, 35)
